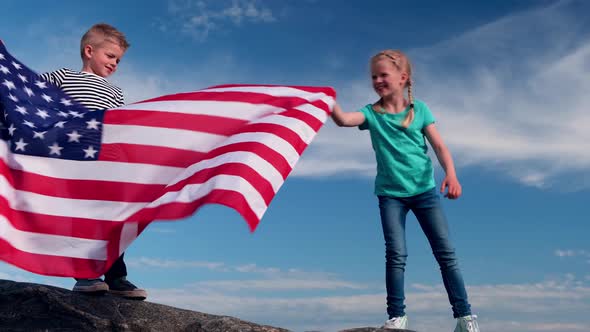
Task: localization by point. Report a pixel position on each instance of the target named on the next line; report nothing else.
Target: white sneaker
(396, 323)
(467, 324)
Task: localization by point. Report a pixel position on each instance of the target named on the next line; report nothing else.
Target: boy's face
(102, 59)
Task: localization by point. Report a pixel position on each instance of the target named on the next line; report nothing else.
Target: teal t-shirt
(403, 166)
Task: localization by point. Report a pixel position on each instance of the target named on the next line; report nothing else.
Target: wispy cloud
(572, 253)
(513, 307)
(201, 18)
(280, 284)
(503, 100)
(145, 262)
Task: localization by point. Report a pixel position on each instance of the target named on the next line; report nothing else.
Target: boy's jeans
(428, 210)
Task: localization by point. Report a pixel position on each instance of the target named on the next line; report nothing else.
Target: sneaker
(122, 287)
(396, 323)
(90, 286)
(467, 324)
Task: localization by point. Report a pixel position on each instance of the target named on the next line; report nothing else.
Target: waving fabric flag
(78, 186)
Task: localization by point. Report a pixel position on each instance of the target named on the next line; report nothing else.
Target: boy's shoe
(90, 286)
(122, 287)
(467, 324)
(396, 323)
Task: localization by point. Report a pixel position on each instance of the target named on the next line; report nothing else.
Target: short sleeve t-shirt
(404, 168)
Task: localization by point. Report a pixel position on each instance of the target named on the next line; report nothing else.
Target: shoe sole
(100, 288)
(139, 295)
(91, 290)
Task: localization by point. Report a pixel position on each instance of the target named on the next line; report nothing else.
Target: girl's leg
(393, 219)
(428, 211)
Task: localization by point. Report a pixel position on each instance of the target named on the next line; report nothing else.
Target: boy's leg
(393, 220)
(116, 278)
(429, 212)
(117, 270)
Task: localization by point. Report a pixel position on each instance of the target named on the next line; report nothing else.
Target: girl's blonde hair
(402, 63)
(100, 33)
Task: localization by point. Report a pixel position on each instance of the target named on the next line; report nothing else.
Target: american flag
(78, 186)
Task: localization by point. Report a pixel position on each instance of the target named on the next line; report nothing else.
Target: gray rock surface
(34, 307)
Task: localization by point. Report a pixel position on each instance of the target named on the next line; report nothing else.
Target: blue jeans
(428, 210)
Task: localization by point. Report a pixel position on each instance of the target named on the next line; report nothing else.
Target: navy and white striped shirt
(90, 90)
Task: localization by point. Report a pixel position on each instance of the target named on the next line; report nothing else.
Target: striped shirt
(90, 90)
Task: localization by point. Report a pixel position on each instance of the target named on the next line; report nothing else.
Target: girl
(405, 182)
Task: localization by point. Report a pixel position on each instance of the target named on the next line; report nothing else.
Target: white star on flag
(20, 145)
(74, 136)
(55, 149)
(39, 134)
(90, 152)
(92, 124)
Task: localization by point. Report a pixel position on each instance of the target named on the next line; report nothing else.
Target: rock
(34, 307)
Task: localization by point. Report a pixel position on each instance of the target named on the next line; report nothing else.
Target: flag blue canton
(41, 120)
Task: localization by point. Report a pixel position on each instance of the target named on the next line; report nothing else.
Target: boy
(101, 48)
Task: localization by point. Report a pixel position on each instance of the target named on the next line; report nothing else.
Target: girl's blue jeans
(428, 210)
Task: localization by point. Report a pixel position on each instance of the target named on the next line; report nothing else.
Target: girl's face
(102, 60)
(387, 78)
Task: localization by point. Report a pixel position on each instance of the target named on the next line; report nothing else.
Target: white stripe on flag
(120, 211)
(78, 170)
(193, 192)
(128, 234)
(302, 129)
(260, 165)
(227, 109)
(163, 137)
(271, 140)
(316, 112)
(54, 245)
(277, 91)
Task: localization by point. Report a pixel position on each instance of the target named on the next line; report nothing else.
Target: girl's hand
(454, 187)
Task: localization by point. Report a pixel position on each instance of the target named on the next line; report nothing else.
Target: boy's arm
(347, 119)
(55, 77)
(446, 161)
(121, 99)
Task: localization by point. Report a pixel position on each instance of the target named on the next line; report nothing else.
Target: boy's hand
(454, 187)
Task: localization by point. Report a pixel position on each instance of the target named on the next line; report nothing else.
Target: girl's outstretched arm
(347, 119)
(446, 161)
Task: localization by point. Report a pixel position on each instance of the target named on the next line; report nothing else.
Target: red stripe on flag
(58, 225)
(327, 90)
(235, 96)
(262, 185)
(146, 154)
(232, 199)
(83, 189)
(52, 265)
(195, 122)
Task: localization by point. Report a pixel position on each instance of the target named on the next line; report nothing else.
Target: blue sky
(508, 82)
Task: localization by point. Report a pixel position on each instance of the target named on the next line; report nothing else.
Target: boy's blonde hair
(402, 63)
(100, 33)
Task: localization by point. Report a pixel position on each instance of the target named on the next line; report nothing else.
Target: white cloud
(281, 284)
(200, 18)
(513, 307)
(145, 262)
(510, 96)
(572, 253)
